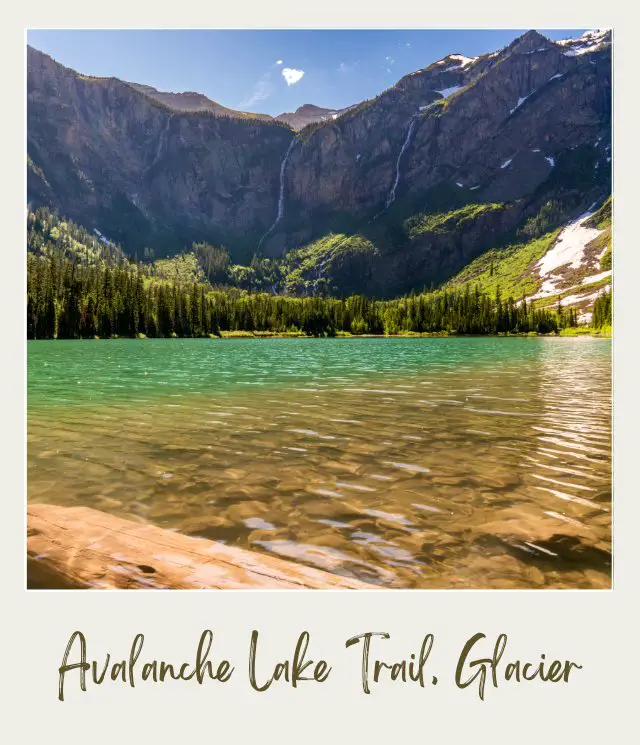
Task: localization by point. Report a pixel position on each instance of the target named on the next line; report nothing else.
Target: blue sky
(268, 71)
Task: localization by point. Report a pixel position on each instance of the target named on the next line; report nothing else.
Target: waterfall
(280, 214)
(162, 142)
(405, 145)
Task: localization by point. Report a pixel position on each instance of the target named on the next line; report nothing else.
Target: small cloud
(278, 62)
(291, 75)
(390, 60)
(388, 69)
(408, 44)
(262, 89)
(347, 66)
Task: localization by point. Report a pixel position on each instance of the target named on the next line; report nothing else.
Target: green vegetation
(591, 287)
(445, 222)
(510, 268)
(602, 218)
(602, 313)
(82, 286)
(49, 235)
(550, 216)
(182, 269)
(602, 221)
(316, 268)
(68, 299)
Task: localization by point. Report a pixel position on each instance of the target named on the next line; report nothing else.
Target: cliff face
(518, 127)
(493, 126)
(112, 158)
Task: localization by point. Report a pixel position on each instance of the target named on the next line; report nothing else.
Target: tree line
(67, 299)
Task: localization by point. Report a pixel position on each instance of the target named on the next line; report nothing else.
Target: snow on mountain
(569, 248)
(567, 253)
(464, 61)
(590, 41)
(446, 92)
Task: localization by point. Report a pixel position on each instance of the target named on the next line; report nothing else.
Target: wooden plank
(81, 547)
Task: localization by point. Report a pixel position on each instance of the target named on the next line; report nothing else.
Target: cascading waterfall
(392, 194)
(162, 141)
(280, 214)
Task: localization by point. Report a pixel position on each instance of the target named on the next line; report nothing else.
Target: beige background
(594, 628)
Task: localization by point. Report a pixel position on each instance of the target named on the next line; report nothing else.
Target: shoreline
(565, 333)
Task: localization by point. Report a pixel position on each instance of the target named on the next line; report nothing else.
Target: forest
(81, 287)
(67, 300)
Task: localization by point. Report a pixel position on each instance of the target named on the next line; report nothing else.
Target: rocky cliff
(512, 131)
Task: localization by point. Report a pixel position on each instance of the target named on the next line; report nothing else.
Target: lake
(404, 462)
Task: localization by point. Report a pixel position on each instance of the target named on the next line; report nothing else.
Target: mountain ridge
(519, 126)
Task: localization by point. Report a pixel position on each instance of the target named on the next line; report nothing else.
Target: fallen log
(79, 547)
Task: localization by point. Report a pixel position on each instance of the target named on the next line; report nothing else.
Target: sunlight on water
(433, 463)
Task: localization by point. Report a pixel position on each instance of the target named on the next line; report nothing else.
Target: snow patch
(592, 38)
(465, 61)
(576, 299)
(550, 160)
(556, 76)
(103, 238)
(459, 184)
(472, 188)
(358, 156)
(537, 150)
(596, 277)
(569, 248)
(506, 163)
(590, 41)
(521, 100)
(450, 91)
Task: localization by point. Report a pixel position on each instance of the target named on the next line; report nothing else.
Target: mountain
(190, 101)
(309, 114)
(454, 160)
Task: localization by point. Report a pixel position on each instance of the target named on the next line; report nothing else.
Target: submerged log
(79, 547)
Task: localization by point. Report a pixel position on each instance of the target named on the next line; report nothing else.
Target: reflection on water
(434, 463)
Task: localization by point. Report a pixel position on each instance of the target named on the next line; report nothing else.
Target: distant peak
(530, 41)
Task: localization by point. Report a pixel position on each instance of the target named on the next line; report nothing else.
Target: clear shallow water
(434, 463)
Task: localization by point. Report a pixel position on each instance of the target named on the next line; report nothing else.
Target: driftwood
(79, 547)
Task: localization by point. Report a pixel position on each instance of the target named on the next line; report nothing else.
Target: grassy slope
(321, 260)
(509, 268)
(445, 222)
(513, 268)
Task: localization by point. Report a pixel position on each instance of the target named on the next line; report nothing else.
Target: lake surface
(404, 462)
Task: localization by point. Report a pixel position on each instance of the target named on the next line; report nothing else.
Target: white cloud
(261, 91)
(347, 66)
(390, 60)
(291, 75)
(278, 62)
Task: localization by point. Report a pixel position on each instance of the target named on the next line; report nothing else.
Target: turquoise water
(442, 462)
